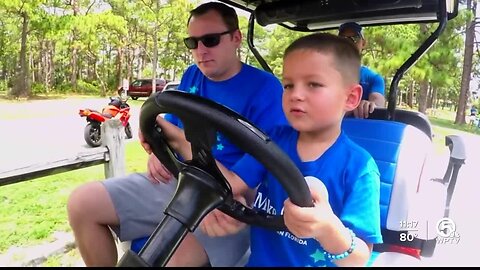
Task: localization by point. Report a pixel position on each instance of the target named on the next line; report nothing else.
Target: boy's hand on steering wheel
(217, 223)
(144, 143)
(307, 222)
(156, 172)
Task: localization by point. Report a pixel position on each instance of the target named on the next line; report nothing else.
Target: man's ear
(364, 43)
(237, 37)
(354, 96)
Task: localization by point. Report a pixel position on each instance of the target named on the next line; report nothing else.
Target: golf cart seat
(411, 203)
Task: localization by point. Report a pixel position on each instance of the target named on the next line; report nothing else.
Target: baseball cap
(357, 28)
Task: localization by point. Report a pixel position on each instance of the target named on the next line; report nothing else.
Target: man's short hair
(228, 14)
(355, 27)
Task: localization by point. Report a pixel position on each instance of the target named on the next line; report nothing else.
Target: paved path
(55, 132)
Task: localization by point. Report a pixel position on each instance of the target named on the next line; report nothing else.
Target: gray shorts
(140, 204)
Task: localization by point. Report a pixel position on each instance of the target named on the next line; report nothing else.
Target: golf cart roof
(315, 15)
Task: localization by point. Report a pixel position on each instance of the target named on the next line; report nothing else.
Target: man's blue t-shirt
(253, 93)
(371, 82)
(352, 179)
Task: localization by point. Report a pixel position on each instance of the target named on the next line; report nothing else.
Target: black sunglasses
(354, 39)
(208, 40)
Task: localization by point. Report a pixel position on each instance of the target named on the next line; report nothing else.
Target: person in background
(372, 83)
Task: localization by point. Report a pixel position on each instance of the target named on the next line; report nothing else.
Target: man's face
(217, 62)
(354, 37)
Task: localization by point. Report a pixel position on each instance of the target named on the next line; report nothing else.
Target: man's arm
(378, 99)
(375, 98)
(377, 93)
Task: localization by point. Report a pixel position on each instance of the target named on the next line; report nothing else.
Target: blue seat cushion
(381, 138)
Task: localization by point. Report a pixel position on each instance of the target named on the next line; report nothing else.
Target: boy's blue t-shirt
(253, 93)
(371, 82)
(352, 179)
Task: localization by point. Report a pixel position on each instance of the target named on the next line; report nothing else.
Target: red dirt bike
(116, 108)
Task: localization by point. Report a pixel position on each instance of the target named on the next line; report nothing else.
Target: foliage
(88, 88)
(114, 39)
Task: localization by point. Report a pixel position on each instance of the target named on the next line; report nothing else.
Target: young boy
(320, 79)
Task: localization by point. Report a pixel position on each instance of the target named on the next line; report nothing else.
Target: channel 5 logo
(447, 232)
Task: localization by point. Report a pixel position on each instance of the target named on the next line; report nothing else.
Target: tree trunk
(431, 93)
(119, 65)
(74, 56)
(50, 66)
(467, 65)
(143, 58)
(410, 94)
(433, 102)
(106, 61)
(91, 62)
(130, 62)
(22, 87)
(400, 95)
(422, 97)
(154, 61)
(33, 67)
(42, 62)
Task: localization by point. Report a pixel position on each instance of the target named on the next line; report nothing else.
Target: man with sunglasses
(133, 206)
(372, 83)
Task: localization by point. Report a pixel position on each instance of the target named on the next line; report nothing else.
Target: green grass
(443, 125)
(33, 210)
(448, 123)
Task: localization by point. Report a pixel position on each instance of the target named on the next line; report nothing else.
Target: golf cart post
(391, 135)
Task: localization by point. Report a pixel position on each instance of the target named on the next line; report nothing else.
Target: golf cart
(399, 141)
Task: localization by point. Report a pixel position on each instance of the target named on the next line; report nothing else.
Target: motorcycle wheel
(92, 134)
(128, 131)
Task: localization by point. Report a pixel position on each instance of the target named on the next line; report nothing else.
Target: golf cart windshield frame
(316, 15)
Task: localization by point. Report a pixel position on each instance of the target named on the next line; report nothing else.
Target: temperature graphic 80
(407, 237)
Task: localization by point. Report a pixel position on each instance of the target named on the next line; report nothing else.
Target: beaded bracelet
(333, 257)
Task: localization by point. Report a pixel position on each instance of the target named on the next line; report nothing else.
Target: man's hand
(364, 109)
(156, 172)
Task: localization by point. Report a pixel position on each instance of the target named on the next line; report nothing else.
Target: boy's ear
(354, 96)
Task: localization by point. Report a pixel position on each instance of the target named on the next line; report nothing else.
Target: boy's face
(315, 96)
(215, 62)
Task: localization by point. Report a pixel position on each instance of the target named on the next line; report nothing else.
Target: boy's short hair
(346, 55)
(228, 14)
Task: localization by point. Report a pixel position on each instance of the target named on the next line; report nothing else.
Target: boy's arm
(363, 200)
(177, 140)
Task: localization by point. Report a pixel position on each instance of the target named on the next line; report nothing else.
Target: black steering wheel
(201, 119)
